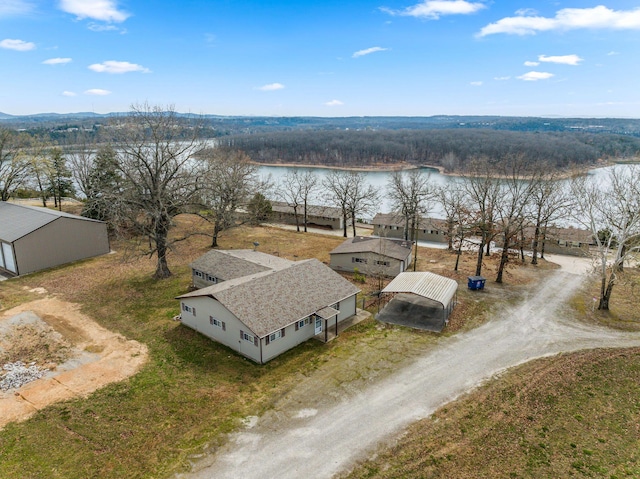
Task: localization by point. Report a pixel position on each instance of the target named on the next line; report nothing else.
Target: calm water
(380, 180)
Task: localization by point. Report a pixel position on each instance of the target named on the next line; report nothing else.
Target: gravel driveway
(319, 443)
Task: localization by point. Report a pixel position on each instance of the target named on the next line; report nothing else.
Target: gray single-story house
(34, 238)
(372, 255)
(217, 266)
(392, 225)
(325, 216)
(266, 313)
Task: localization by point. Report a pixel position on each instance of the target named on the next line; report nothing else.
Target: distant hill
(235, 125)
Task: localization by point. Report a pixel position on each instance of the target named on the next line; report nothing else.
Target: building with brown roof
(267, 312)
(323, 216)
(392, 225)
(372, 255)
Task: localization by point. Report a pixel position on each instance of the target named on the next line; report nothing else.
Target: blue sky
(323, 58)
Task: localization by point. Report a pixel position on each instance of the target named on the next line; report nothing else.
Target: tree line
(447, 148)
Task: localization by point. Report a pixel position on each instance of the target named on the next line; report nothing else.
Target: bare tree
(81, 158)
(14, 166)
(611, 211)
(362, 198)
(482, 189)
(160, 175)
(338, 184)
(549, 201)
(230, 182)
(514, 194)
(289, 190)
(454, 202)
(308, 188)
(409, 193)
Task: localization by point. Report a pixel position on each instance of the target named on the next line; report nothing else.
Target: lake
(380, 180)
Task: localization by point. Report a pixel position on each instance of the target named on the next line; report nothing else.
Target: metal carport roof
(429, 285)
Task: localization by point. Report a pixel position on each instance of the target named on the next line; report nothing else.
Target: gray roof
(429, 285)
(230, 264)
(312, 210)
(396, 219)
(392, 248)
(270, 300)
(17, 221)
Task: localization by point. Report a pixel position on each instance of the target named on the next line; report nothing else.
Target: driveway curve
(321, 443)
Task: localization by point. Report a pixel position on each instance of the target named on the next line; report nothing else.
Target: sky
(322, 57)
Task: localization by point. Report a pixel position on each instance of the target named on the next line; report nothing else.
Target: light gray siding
(61, 241)
(368, 263)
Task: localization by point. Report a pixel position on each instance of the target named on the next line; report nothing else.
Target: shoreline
(440, 169)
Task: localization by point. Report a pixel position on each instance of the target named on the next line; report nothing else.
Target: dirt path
(98, 357)
(319, 443)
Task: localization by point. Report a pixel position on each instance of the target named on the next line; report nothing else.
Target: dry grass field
(192, 391)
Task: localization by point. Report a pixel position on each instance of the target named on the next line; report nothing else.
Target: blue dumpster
(476, 282)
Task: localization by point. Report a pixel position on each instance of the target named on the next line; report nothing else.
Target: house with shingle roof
(269, 311)
(372, 255)
(393, 225)
(34, 238)
(216, 266)
(317, 215)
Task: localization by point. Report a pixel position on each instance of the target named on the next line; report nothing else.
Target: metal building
(34, 238)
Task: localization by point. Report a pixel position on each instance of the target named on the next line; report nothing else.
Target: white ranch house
(372, 255)
(265, 313)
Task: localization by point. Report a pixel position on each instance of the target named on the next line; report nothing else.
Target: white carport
(433, 287)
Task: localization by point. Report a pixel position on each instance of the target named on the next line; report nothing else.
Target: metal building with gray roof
(34, 238)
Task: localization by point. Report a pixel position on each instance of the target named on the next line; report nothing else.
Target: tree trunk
(480, 252)
(344, 222)
(216, 232)
(504, 258)
(536, 236)
(161, 234)
(605, 295)
(305, 215)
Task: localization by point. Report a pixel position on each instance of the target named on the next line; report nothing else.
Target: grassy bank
(193, 391)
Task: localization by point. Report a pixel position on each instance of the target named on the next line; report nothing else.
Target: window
(274, 336)
(197, 273)
(247, 337)
(382, 263)
(216, 322)
(358, 260)
(188, 309)
(210, 278)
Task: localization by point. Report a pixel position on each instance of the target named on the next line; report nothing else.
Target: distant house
(33, 238)
(265, 313)
(392, 225)
(323, 216)
(372, 255)
(216, 266)
(569, 241)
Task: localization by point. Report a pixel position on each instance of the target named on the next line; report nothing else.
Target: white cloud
(535, 76)
(19, 45)
(103, 10)
(10, 8)
(99, 27)
(97, 91)
(434, 9)
(475, 83)
(56, 61)
(562, 59)
(368, 51)
(526, 11)
(502, 78)
(334, 103)
(270, 87)
(599, 17)
(115, 67)
(613, 53)
(531, 64)
(69, 93)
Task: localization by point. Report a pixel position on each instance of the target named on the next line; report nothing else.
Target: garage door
(9, 262)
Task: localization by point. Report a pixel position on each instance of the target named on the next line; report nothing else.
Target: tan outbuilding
(33, 238)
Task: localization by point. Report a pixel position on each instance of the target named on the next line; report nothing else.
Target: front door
(318, 325)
